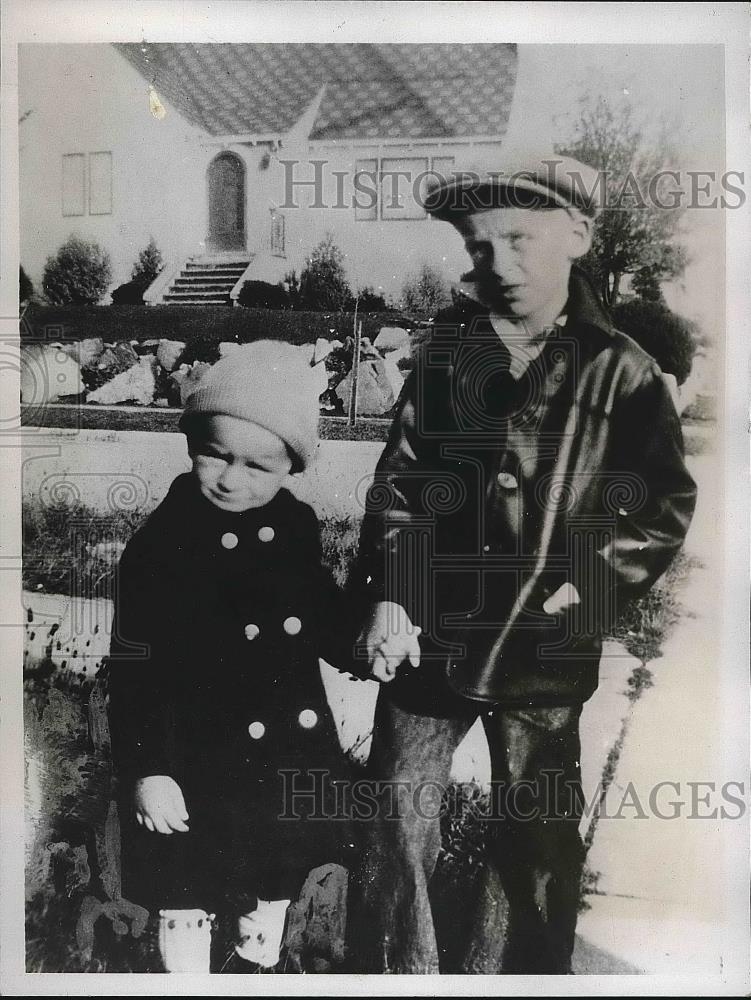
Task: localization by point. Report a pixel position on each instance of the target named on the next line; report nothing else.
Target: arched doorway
(226, 187)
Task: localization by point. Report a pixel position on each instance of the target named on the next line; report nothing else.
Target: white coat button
(307, 718)
(266, 534)
(507, 481)
(251, 632)
(292, 625)
(230, 540)
(256, 730)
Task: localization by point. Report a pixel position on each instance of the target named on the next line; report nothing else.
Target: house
(239, 158)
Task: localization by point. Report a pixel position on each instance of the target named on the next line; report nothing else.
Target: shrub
(323, 282)
(78, 274)
(131, 293)
(426, 292)
(370, 301)
(669, 338)
(148, 265)
(25, 286)
(264, 295)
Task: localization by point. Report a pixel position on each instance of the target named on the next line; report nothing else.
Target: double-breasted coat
(214, 680)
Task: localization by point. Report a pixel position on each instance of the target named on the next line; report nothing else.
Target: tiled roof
(372, 91)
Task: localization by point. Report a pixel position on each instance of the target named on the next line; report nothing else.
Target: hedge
(220, 323)
(86, 416)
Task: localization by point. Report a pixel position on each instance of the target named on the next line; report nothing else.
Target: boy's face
(522, 256)
(239, 465)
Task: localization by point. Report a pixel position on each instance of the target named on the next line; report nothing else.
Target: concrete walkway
(672, 901)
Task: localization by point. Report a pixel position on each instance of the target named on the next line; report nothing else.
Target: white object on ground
(135, 385)
(260, 933)
(47, 374)
(390, 338)
(185, 940)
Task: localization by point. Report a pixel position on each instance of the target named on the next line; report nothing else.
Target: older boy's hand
(390, 638)
(160, 805)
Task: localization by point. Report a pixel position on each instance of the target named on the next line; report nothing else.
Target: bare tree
(637, 233)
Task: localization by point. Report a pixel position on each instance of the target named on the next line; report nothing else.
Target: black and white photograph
(375, 505)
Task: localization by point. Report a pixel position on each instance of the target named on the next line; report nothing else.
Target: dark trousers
(534, 851)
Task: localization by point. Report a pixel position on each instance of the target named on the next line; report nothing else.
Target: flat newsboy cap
(548, 181)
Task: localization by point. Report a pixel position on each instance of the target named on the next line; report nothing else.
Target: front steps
(206, 281)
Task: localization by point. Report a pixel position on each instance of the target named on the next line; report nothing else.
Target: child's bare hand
(390, 639)
(160, 805)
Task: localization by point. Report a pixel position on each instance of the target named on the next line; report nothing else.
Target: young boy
(220, 725)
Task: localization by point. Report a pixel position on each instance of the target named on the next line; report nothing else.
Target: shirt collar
(522, 351)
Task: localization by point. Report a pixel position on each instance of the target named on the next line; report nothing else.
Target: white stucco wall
(88, 98)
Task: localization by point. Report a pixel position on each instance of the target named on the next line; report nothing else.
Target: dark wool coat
(214, 680)
(492, 492)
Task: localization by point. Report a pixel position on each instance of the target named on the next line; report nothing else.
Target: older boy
(532, 482)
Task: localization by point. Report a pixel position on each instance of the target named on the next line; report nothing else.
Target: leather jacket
(493, 491)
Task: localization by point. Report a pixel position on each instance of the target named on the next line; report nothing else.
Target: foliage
(148, 265)
(264, 295)
(669, 338)
(633, 235)
(178, 322)
(323, 281)
(425, 292)
(25, 286)
(370, 301)
(78, 274)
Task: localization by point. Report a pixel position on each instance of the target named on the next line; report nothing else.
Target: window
(100, 183)
(73, 184)
(402, 179)
(277, 233)
(393, 188)
(366, 190)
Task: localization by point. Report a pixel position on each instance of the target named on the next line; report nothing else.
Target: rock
(323, 348)
(395, 377)
(136, 385)
(85, 352)
(169, 352)
(374, 393)
(307, 352)
(390, 338)
(117, 358)
(367, 350)
(317, 920)
(48, 374)
(321, 378)
(227, 347)
(187, 378)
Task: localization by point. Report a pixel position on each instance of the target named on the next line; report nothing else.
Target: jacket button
(307, 718)
(252, 632)
(507, 481)
(292, 625)
(256, 730)
(230, 540)
(266, 534)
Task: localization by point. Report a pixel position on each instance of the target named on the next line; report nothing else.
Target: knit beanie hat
(268, 383)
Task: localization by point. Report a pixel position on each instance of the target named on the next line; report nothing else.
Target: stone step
(203, 283)
(236, 267)
(231, 276)
(193, 299)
